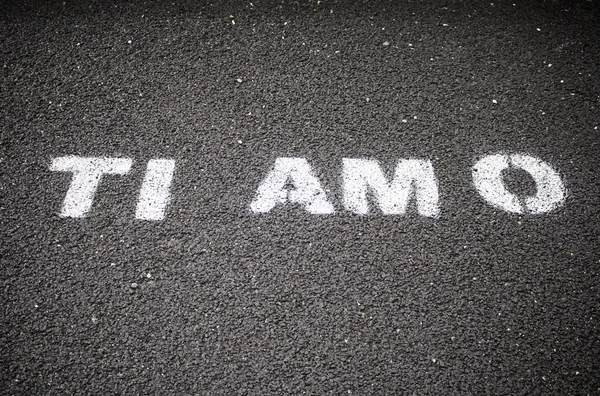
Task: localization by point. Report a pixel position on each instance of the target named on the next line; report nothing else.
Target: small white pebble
(239, 141)
(239, 80)
(444, 24)
(494, 101)
(386, 43)
(538, 29)
(128, 41)
(549, 64)
(404, 121)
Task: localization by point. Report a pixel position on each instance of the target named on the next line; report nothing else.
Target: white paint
(487, 177)
(87, 173)
(307, 188)
(551, 191)
(154, 194)
(412, 178)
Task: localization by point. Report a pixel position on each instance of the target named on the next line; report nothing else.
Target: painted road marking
(411, 178)
(87, 173)
(487, 177)
(292, 180)
(307, 188)
(154, 194)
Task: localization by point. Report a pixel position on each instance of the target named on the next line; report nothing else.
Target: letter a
(307, 189)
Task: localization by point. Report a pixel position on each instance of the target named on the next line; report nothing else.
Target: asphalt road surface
(197, 281)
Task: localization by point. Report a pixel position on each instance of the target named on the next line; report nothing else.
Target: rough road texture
(479, 301)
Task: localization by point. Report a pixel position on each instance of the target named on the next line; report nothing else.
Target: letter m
(412, 178)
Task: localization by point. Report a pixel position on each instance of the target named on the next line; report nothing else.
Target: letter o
(487, 178)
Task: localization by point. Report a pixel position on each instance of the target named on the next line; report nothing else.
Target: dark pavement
(216, 299)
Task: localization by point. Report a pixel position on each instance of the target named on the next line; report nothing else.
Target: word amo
(292, 180)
